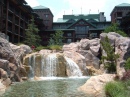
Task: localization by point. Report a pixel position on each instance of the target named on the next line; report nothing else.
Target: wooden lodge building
(14, 18)
(81, 26)
(121, 15)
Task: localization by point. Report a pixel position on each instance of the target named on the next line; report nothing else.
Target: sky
(67, 7)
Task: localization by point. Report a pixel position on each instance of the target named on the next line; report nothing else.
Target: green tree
(115, 28)
(31, 34)
(127, 64)
(57, 38)
(111, 57)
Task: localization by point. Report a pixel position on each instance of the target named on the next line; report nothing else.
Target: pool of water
(48, 87)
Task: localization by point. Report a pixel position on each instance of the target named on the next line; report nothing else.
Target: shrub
(115, 28)
(18, 44)
(115, 89)
(56, 38)
(55, 47)
(127, 65)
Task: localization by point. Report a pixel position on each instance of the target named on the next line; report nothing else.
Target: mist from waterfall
(52, 66)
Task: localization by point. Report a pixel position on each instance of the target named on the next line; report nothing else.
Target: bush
(127, 65)
(115, 89)
(40, 48)
(55, 47)
(115, 28)
(18, 44)
(56, 38)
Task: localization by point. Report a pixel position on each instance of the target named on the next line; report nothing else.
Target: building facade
(83, 26)
(45, 14)
(119, 11)
(15, 18)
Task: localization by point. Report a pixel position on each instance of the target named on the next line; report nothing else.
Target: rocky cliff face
(11, 56)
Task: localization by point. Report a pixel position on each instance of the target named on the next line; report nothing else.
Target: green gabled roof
(89, 16)
(62, 20)
(40, 7)
(78, 21)
(123, 5)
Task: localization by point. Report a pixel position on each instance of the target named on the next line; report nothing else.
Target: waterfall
(32, 66)
(49, 64)
(52, 65)
(72, 68)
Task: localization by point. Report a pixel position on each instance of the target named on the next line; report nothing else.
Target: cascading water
(52, 66)
(72, 68)
(32, 64)
(49, 65)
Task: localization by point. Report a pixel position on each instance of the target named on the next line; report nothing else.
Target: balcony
(17, 22)
(10, 18)
(17, 12)
(21, 32)
(10, 28)
(11, 8)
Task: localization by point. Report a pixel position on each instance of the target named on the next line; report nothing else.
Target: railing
(11, 8)
(10, 18)
(17, 22)
(9, 28)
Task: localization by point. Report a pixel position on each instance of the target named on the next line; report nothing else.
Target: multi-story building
(16, 15)
(82, 26)
(119, 11)
(45, 14)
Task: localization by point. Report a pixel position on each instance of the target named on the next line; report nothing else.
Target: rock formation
(94, 87)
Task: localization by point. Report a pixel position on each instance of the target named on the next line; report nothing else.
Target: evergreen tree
(115, 28)
(57, 38)
(31, 34)
(111, 57)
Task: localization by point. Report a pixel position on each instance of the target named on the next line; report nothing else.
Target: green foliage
(31, 34)
(127, 65)
(57, 38)
(55, 47)
(115, 89)
(114, 28)
(18, 44)
(111, 56)
(51, 47)
(40, 48)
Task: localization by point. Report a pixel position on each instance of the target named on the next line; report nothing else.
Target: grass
(117, 89)
(51, 47)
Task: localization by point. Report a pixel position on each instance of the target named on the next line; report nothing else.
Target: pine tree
(111, 57)
(31, 34)
(57, 38)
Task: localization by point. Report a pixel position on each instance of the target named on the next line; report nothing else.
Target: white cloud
(32, 3)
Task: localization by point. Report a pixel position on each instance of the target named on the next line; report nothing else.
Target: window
(69, 34)
(46, 15)
(69, 40)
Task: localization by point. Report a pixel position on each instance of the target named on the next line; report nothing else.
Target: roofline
(118, 7)
(79, 20)
(45, 9)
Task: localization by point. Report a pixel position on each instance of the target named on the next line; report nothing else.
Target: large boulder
(71, 47)
(95, 46)
(90, 59)
(84, 44)
(94, 87)
(26, 48)
(112, 36)
(6, 51)
(78, 59)
(122, 47)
